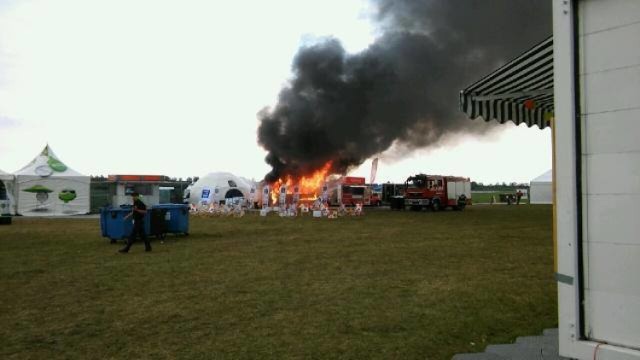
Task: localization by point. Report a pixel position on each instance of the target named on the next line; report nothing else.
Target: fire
(309, 186)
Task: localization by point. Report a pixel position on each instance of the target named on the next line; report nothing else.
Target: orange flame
(309, 186)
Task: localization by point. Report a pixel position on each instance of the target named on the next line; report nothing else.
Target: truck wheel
(435, 205)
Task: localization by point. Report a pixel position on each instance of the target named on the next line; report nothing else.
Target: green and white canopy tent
(521, 91)
(48, 187)
(7, 203)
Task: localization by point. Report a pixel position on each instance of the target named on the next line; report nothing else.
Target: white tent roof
(5, 175)
(547, 177)
(47, 164)
(222, 179)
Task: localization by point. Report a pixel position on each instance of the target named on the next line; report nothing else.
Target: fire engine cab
(437, 192)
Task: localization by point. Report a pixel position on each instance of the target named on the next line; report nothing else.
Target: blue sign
(206, 193)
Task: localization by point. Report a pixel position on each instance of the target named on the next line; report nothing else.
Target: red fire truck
(437, 192)
(351, 190)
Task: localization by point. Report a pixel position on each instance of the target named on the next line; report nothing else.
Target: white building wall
(608, 90)
(609, 42)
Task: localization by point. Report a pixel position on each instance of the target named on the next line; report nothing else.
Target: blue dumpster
(160, 220)
(114, 226)
(176, 217)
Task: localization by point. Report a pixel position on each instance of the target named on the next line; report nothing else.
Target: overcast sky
(173, 88)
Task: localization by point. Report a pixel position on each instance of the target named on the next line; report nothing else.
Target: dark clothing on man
(138, 204)
(138, 227)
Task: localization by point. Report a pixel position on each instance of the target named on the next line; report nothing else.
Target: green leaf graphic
(67, 195)
(56, 165)
(38, 189)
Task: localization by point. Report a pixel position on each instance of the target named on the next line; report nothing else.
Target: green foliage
(513, 186)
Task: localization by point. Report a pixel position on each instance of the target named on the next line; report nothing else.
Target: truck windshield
(416, 183)
(357, 190)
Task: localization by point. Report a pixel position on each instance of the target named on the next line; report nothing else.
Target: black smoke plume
(402, 89)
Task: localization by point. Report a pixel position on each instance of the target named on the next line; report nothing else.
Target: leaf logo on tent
(38, 189)
(42, 193)
(56, 165)
(67, 195)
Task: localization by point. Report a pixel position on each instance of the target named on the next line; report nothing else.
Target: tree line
(478, 186)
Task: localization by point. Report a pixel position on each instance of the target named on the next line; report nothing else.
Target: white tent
(7, 203)
(217, 186)
(47, 187)
(541, 189)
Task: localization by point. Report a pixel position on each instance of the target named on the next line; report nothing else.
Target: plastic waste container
(176, 217)
(160, 220)
(113, 224)
(115, 227)
(156, 221)
(5, 216)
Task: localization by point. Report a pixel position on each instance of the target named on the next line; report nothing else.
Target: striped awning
(520, 91)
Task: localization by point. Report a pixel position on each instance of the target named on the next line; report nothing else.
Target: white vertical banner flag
(252, 196)
(325, 192)
(265, 196)
(283, 195)
(374, 170)
(296, 194)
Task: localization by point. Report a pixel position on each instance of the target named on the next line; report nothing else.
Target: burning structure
(306, 187)
(340, 109)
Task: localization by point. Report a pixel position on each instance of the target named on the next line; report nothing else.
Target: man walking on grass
(138, 212)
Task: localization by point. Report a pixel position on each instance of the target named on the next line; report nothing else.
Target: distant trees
(478, 186)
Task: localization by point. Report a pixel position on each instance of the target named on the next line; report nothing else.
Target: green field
(389, 285)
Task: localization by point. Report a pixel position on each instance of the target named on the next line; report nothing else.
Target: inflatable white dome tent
(7, 203)
(48, 187)
(218, 186)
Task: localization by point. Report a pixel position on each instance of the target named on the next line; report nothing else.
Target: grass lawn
(389, 285)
